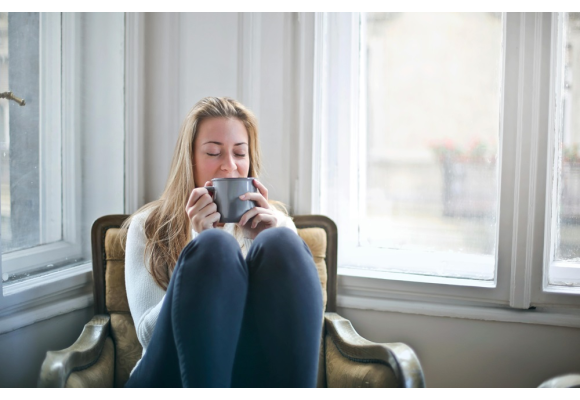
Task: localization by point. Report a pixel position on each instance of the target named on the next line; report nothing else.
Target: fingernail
(243, 197)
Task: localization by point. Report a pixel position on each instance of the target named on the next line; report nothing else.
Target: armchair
(107, 348)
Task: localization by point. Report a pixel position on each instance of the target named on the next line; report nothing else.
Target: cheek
(206, 165)
(244, 166)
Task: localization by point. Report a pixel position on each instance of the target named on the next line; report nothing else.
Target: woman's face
(220, 150)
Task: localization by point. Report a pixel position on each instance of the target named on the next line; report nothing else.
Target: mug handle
(211, 191)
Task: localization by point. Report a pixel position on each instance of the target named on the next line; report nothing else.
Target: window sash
(525, 121)
(59, 211)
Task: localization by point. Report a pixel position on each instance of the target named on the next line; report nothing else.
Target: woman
(220, 305)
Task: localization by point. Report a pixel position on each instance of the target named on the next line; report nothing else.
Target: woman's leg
(280, 339)
(195, 338)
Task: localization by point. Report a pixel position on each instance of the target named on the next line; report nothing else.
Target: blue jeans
(229, 321)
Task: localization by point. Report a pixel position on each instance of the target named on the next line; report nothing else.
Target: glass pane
(4, 137)
(19, 46)
(568, 204)
(433, 95)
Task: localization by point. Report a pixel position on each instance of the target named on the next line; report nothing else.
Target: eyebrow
(221, 144)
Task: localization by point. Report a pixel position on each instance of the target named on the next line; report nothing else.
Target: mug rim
(232, 179)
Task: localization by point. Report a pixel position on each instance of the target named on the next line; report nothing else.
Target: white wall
(190, 56)
(457, 352)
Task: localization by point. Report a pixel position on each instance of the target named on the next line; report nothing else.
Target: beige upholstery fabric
(315, 238)
(127, 346)
(116, 295)
(342, 372)
(98, 375)
(113, 248)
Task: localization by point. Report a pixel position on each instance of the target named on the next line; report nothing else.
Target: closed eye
(240, 155)
(213, 155)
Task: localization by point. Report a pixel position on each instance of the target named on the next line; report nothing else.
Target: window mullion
(524, 153)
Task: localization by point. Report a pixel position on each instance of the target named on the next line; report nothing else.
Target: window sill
(32, 300)
(366, 290)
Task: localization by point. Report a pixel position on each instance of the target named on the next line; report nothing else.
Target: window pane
(20, 139)
(567, 246)
(433, 96)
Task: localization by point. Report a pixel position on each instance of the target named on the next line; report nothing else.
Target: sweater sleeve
(285, 221)
(144, 295)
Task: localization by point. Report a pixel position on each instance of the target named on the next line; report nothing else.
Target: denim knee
(279, 244)
(212, 246)
(211, 238)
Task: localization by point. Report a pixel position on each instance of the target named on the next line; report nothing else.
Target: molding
(36, 299)
(134, 110)
(563, 318)
(301, 179)
(555, 104)
(249, 60)
(45, 311)
(50, 136)
(39, 256)
(71, 146)
(515, 300)
(528, 196)
(320, 81)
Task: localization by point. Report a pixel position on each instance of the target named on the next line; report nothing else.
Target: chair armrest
(563, 381)
(398, 356)
(83, 353)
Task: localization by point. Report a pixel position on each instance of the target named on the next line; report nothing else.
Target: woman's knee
(211, 240)
(280, 244)
(212, 247)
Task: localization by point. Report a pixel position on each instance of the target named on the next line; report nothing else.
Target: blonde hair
(167, 228)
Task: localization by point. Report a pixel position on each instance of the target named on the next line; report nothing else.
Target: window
(436, 136)
(32, 194)
(62, 155)
(564, 252)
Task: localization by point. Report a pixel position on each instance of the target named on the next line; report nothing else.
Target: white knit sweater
(144, 295)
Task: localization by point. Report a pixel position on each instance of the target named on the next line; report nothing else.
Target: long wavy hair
(167, 228)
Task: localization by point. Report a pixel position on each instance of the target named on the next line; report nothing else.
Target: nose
(229, 164)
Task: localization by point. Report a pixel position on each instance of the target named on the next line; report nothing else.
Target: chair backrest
(99, 239)
(110, 297)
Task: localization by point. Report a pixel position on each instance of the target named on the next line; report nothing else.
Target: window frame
(528, 78)
(56, 128)
(104, 187)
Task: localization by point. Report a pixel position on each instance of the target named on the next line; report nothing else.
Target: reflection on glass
(433, 94)
(568, 230)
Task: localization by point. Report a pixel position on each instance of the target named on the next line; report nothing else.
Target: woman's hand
(201, 210)
(260, 217)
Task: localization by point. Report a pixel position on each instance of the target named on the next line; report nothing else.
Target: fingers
(255, 213)
(268, 220)
(201, 210)
(261, 188)
(195, 195)
(201, 202)
(257, 197)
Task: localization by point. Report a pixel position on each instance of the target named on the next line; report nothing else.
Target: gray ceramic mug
(226, 194)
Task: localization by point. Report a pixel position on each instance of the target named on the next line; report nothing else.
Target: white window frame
(525, 189)
(63, 290)
(58, 213)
